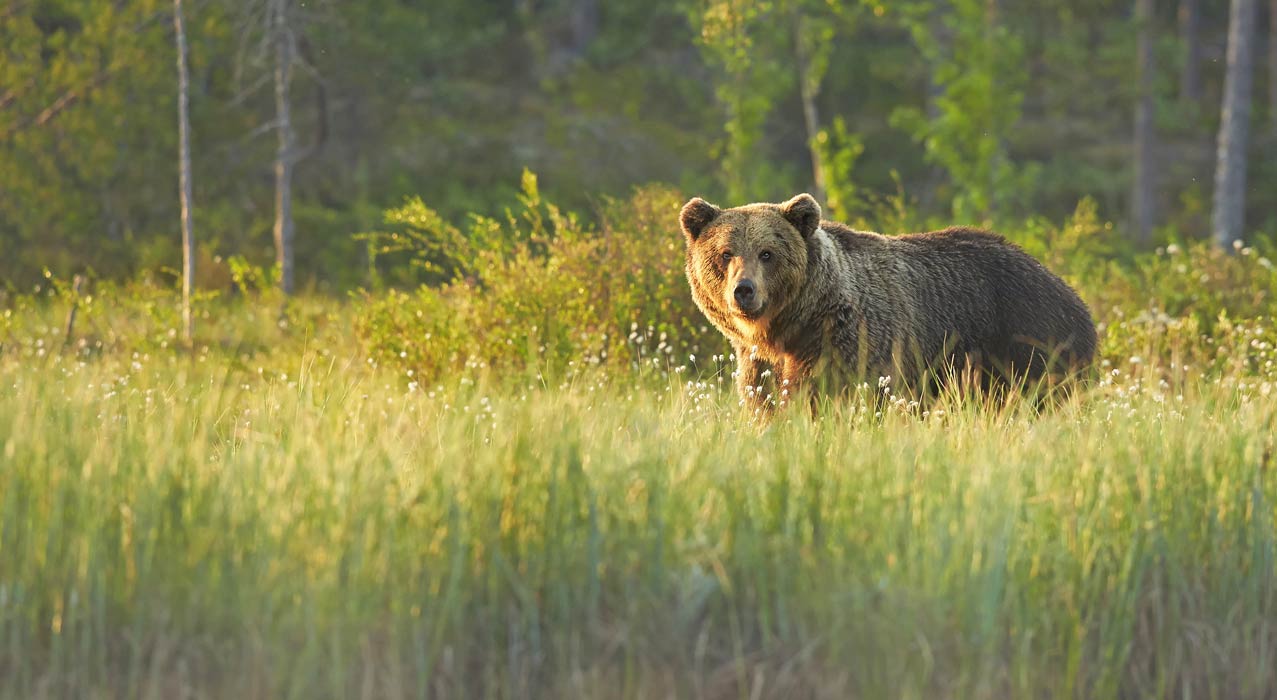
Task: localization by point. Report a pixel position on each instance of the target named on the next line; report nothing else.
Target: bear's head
(746, 263)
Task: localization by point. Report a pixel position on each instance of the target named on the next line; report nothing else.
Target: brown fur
(848, 305)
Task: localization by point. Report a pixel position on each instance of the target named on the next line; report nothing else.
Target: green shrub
(540, 291)
(1191, 306)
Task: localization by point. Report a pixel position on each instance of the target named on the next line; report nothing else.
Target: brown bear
(802, 299)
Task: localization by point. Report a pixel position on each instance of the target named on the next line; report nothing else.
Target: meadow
(483, 445)
(430, 494)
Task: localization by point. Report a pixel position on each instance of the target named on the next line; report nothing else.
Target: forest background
(972, 111)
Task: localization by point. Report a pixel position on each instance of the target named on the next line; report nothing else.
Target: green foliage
(972, 109)
(437, 247)
(250, 278)
(540, 291)
(75, 153)
(839, 150)
(738, 38)
(1201, 308)
(979, 72)
(1080, 248)
(1201, 281)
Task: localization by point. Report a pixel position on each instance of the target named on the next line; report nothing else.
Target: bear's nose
(745, 292)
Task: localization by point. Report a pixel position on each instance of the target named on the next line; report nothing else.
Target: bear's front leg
(794, 385)
(752, 381)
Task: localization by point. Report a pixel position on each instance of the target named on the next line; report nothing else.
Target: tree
(184, 173)
(1272, 68)
(813, 42)
(274, 42)
(736, 41)
(1228, 208)
(761, 65)
(811, 69)
(1190, 77)
(1145, 188)
(979, 87)
(282, 38)
(86, 136)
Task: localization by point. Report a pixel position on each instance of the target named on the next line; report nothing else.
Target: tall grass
(518, 482)
(196, 526)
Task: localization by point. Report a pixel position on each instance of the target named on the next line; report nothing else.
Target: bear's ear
(803, 212)
(696, 215)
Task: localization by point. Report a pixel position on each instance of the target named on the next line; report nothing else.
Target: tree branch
(14, 93)
(73, 95)
(64, 101)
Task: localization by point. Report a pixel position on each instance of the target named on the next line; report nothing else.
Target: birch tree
(1228, 208)
(274, 46)
(281, 36)
(184, 173)
(1144, 189)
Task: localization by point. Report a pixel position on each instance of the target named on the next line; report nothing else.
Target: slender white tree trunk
(1142, 211)
(1228, 209)
(812, 121)
(184, 174)
(284, 155)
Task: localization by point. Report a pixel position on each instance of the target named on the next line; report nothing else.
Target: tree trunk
(992, 18)
(809, 89)
(284, 154)
(942, 35)
(1144, 186)
(1227, 215)
(583, 18)
(1272, 68)
(1190, 77)
(538, 51)
(184, 174)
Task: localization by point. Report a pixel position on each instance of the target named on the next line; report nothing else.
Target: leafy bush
(541, 290)
(1201, 282)
(1195, 306)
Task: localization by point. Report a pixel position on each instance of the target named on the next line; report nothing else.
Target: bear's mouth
(753, 312)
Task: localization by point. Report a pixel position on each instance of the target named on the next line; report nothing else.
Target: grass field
(298, 523)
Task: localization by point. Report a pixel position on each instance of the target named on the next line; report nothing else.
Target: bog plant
(540, 291)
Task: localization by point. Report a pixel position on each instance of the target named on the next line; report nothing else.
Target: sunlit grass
(317, 527)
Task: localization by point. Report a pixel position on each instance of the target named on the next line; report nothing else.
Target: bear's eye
(727, 256)
(765, 255)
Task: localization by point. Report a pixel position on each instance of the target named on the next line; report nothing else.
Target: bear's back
(969, 290)
(1020, 313)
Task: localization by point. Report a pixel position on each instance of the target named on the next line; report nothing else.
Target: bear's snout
(746, 295)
